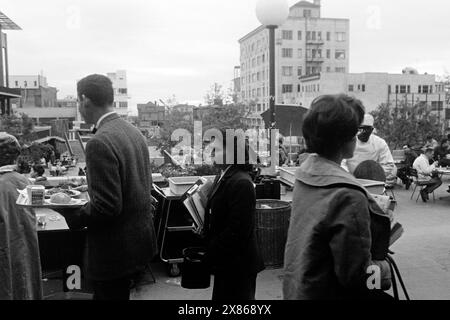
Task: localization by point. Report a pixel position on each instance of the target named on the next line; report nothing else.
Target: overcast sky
(181, 47)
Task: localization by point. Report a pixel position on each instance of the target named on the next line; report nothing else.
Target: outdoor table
(59, 247)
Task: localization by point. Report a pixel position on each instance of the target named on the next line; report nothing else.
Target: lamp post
(271, 14)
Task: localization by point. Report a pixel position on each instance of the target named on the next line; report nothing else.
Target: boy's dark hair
(98, 88)
(39, 169)
(332, 121)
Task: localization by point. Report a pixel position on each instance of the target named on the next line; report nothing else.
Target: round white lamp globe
(272, 12)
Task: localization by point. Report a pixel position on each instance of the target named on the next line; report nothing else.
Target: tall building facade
(306, 44)
(374, 89)
(120, 85)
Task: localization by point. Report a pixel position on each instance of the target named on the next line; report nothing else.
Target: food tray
(179, 185)
(22, 201)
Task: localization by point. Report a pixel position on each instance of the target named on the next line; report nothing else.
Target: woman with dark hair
(232, 250)
(337, 232)
(20, 269)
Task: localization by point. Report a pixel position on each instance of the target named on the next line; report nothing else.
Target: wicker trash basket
(272, 223)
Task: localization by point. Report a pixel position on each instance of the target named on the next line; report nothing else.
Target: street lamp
(271, 14)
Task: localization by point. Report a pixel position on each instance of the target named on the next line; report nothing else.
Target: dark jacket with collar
(336, 231)
(231, 238)
(120, 232)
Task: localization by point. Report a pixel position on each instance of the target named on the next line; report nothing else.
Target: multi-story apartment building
(306, 44)
(374, 89)
(119, 80)
(35, 91)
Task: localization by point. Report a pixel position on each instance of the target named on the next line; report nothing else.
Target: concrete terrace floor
(422, 254)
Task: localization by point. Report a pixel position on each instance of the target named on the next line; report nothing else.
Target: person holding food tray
(121, 238)
(20, 267)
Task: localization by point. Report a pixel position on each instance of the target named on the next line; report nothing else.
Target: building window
(308, 71)
(437, 105)
(424, 89)
(123, 104)
(340, 36)
(307, 13)
(287, 71)
(308, 35)
(314, 51)
(350, 88)
(286, 88)
(328, 53)
(258, 76)
(122, 91)
(258, 92)
(286, 34)
(396, 89)
(409, 89)
(328, 36)
(340, 54)
(313, 35)
(17, 83)
(35, 83)
(298, 88)
(300, 53)
(389, 89)
(299, 35)
(319, 53)
(299, 71)
(340, 69)
(402, 89)
(328, 69)
(25, 84)
(263, 58)
(286, 52)
(319, 35)
(363, 88)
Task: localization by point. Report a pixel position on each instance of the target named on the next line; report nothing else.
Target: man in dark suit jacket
(120, 232)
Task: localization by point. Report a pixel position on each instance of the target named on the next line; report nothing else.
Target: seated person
(404, 172)
(441, 153)
(430, 143)
(427, 174)
(371, 147)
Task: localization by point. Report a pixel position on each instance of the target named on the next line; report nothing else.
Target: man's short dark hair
(332, 121)
(429, 150)
(98, 88)
(429, 137)
(444, 141)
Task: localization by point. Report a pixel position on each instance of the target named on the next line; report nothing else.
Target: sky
(181, 47)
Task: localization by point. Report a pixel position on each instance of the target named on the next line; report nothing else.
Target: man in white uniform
(371, 147)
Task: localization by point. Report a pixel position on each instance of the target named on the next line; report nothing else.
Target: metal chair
(418, 184)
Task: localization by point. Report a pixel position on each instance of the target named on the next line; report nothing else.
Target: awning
(47, 139)
(9, 93)
(289, 119)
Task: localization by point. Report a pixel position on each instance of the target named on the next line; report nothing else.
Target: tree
(215, 95)
(405, 124)
(18, 125)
